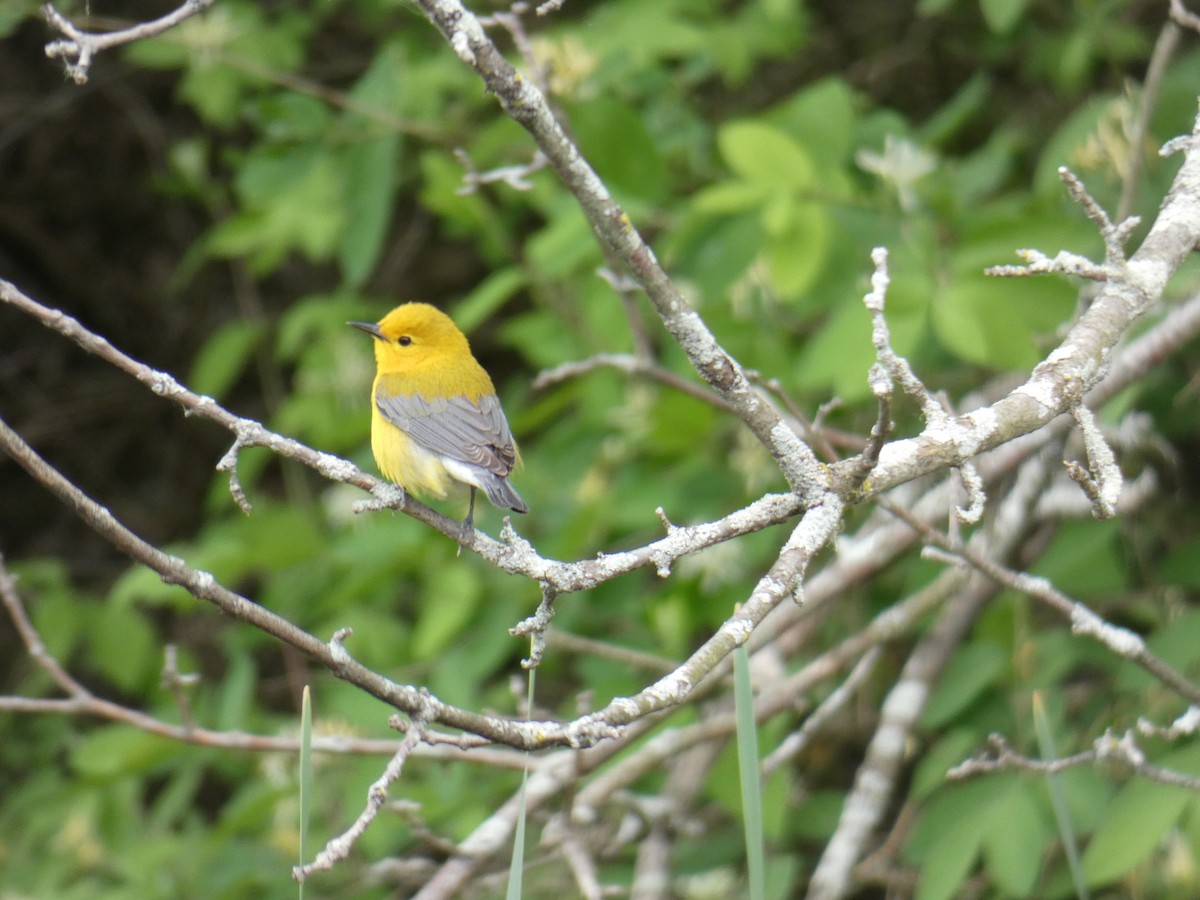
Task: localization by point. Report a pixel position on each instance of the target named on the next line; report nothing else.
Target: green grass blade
(517, 866)
(305, 774)
(747, 743)
(1041, 727)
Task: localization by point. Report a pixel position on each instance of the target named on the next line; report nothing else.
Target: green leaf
(728, 197)
(224, 357)
(58, 613)
(975, 668)
(630, 43)
(1181, 566)
(564, 245)
(957, 114)
(379, 634)
(369, 177)
(951, 749)
(453, 594)
(1081, 560)
(998, 323)
(488, 296)
(816, 818)
(1015, 840)
(1140, 816)
(1058, 796)
(223, 53)
(614, 137)
(13, 14)
(123, 647)
(235, 698)
(714, 253)
(1066, 146)
(276, 537)
(370, 168)
(112, 751)
(797, 245)
(947, 841)
(971, 179)
(290, 202)
(761, 154)
(313, 317)
(839, 356)
(822, 118)
(1002, 15)
(141, 585)
(1174, 643)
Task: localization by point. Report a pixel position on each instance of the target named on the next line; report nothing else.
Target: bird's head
(412, 335)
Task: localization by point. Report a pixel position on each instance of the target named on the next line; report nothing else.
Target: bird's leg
(468, 524)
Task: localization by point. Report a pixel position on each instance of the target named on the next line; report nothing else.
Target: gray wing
(455, 427)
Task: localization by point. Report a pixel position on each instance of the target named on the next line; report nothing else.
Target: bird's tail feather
(503, 495)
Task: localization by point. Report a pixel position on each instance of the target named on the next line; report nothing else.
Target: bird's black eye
(404, 340)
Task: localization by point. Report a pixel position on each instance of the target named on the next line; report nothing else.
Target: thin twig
(179, 685)
(1121, 641)
(1109, 748)
(830, 707)
(631, 365)
(82, 46)
(1164, 51)
(516, 177)
(339, 847)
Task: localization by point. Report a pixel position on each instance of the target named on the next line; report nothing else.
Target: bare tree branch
(528, 107)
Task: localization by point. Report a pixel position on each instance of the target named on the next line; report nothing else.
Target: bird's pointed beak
(369, 327)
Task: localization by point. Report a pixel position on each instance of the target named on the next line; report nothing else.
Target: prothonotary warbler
(435, 416)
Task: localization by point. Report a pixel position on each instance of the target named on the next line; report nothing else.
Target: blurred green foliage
(764, 202)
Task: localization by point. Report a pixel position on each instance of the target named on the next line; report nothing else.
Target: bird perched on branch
(435, 416)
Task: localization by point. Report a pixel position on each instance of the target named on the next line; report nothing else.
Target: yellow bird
(435, 416)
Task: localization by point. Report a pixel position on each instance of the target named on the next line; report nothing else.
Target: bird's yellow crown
(422, 345)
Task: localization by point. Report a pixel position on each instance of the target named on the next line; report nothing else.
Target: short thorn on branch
(385, 496)
(970, 511)
(1101, 481)
(516, 177)
(881, 386)
(620, 283)
(337, 645)
(534, 627)
(228, 464)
